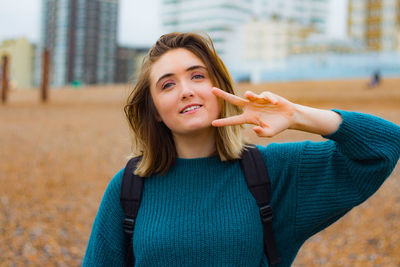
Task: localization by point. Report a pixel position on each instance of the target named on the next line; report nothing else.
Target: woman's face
(181, 90)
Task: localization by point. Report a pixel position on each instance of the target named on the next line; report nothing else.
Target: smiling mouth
(190, 108)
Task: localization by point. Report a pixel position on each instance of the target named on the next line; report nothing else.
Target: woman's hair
(153, 140)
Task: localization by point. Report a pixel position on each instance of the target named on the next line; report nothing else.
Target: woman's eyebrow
(196, 67)
(188, 69)
(164, 76)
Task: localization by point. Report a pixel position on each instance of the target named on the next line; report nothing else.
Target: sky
(139, 23)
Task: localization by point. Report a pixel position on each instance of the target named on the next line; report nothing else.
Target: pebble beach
(56, 159)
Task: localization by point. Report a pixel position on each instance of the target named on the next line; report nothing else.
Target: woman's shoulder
(116, 180)
(282, 151)
(111, 194)
(282, 158)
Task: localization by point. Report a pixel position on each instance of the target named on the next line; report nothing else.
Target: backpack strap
(130, 197)
(259, 184)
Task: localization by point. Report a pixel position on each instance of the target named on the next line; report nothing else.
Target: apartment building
(81, 36)
(375, 23)
(308, 13)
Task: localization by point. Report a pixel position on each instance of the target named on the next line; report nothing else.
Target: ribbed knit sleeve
(338, 174)
(106, 245)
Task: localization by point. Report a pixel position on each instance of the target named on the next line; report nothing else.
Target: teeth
(190, 108)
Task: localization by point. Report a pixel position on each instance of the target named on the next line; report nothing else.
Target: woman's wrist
(317, 121)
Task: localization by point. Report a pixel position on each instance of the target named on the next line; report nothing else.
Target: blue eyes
(197, 76)
(194, 77)
(167, 85)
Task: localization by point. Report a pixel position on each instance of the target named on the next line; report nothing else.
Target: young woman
(196, 208)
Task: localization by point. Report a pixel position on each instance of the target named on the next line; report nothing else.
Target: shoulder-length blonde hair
(153, 139)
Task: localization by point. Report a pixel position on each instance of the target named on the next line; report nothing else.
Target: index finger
(229, 121)
(233, 99)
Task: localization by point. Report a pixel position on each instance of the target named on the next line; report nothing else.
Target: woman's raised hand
(270, 113)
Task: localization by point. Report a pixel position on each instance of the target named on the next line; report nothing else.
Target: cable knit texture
(201, 213)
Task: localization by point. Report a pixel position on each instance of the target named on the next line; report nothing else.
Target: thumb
(262, 131)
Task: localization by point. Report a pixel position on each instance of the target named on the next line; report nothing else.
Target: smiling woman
(184, 101)
(196, 208)
(179, 72)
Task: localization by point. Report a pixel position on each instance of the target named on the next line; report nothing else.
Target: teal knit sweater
(201, 213)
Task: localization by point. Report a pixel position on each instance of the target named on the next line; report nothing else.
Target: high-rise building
(218, 18)
(81, 36)
(375, 23)
(309, 13)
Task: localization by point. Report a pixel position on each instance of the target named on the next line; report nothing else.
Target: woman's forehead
(174, 61)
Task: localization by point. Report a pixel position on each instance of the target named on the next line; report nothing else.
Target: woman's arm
(365, 148)
(272, 114)
(336, 175)
(317, 121)
(330, 177)
(106, 246)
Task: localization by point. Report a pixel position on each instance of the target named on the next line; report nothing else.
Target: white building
(268, 44)
(221, 19)
(266, 41)
(271, 40)
(21, 55)
(309, 13)
(375, 23)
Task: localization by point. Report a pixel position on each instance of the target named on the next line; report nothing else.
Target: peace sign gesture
(270, 113)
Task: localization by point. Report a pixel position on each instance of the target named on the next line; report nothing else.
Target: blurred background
(102, 42)
(63, 134)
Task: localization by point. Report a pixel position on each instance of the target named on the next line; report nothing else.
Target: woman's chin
(195, 129)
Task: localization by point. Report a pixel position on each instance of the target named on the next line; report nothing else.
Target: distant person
(196, 208)
(375, 79)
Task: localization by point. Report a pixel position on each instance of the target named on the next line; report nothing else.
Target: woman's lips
(191, 108)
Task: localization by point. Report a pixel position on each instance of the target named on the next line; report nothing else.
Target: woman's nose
(186, 91)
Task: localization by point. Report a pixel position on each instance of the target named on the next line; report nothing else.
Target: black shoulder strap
(130, 197)
(259, 184)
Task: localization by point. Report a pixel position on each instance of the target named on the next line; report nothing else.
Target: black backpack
(257, 180)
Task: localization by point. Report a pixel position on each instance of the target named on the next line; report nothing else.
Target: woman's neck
(196, 145)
